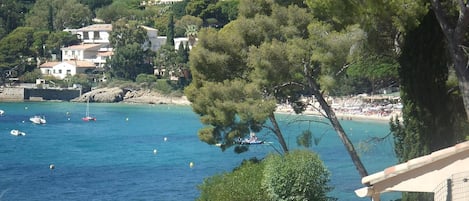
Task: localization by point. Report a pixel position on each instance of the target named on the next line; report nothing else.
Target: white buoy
(165, 139)
(127, 119)
(191, 164)
(155, 151)
(51, 166)
(25, 108)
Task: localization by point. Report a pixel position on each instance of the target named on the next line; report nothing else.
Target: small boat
(38, 119)
(87, 116)
(252, 140)
(17, 133)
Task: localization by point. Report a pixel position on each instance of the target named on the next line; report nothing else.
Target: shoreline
(349, 117)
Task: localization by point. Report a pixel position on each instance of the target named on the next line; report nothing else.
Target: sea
(152, 152)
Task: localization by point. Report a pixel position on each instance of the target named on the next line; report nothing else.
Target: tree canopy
(58, 14)
(130, 58)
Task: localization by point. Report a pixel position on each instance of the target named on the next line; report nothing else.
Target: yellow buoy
(191, 164)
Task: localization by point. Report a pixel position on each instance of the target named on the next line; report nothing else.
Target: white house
(153, 41)
(445, 173)
(93, 52)
(155, 2)
(86, 52)
(63, 69)
(96, 33)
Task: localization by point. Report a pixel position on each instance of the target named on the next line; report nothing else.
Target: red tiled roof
(78, 64)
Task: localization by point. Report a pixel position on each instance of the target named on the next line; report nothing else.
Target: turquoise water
(114, 158)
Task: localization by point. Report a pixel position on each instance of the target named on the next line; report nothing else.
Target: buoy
(165, 139)
(51, 166)
(23, 121)
(25, 108)
(127, 119)
(155, 151)
(191, 164)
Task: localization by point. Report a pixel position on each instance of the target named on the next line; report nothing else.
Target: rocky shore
(115, 94)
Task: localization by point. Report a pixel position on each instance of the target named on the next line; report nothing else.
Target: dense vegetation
(249, 55)
(299, 175)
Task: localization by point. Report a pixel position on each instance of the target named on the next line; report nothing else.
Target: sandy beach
(350, 108)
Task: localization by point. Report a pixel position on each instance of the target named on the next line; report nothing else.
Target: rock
(112, 95)
(102, 95)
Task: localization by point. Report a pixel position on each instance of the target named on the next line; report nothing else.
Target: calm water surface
(114, 158)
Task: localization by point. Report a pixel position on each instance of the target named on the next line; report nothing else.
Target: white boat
(38, 119)
(17, 132)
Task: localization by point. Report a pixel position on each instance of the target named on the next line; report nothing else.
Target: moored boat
(16, 132)
(38, 119)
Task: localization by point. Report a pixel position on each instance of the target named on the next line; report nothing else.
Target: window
(96, 35)
(60, 71)
(85, 35)
(69, 72)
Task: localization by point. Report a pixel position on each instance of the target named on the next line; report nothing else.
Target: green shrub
(299, 175)
(243, 184)
(30, 77)
(163, 86)
(145, 78)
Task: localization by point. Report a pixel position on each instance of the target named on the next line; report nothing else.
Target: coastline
(119, 95)
(344, 116)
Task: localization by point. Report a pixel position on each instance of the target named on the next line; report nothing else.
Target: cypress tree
(170, 32)
(50, 19)
(427, 122)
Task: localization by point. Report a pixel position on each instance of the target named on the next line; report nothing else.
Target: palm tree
(191, 33)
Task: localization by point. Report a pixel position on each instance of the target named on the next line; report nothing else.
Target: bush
(299, 175)
(243, 184)
(30, 77)
(145, 78)
(163, 86)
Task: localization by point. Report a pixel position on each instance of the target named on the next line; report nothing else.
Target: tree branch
(442, 19)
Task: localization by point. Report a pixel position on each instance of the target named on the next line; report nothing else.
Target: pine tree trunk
(336, 124)
(455, 37)
(278, 133)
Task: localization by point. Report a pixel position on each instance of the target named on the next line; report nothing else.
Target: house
(86, 52)
(444, 173)
(63, 69)
(94, 49)
(153, 41)
(96, 33)
(156, 2)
